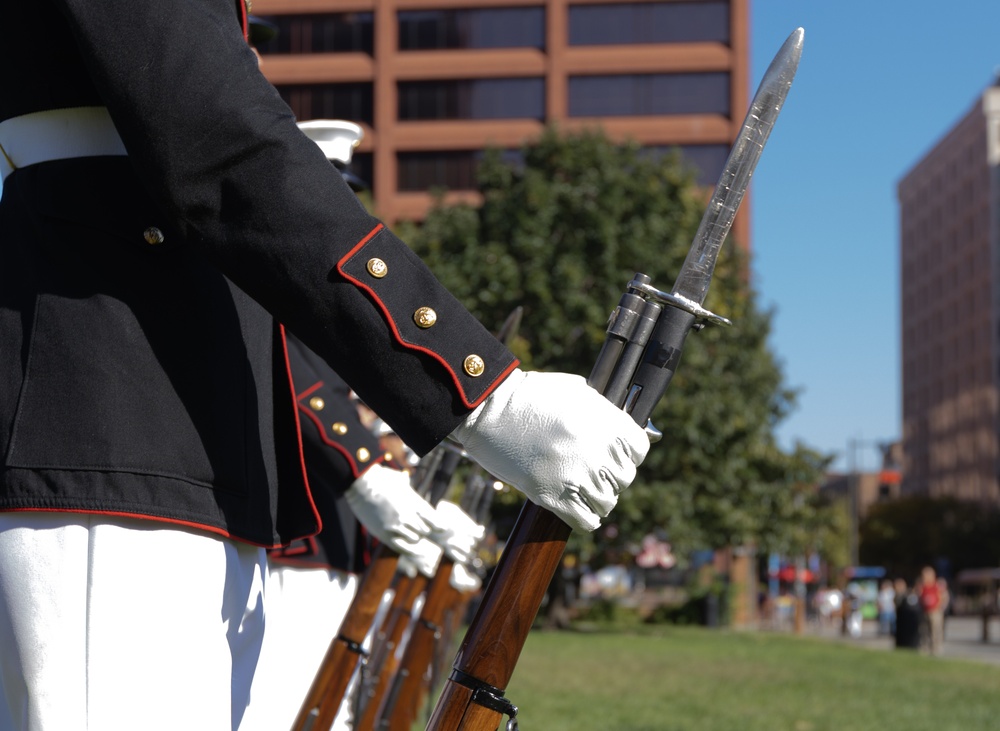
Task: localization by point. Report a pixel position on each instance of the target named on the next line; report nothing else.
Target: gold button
(363, 455)
(377, 268)
(153, 235)
(388, 456)
(316, 403)
(339, 427)
(474, 365)
(425, 317)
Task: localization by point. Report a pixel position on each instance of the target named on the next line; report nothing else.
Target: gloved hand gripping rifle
(401, 703)
(641, 352)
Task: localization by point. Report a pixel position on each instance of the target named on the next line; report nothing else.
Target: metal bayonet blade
(508, 331)
(696, 273)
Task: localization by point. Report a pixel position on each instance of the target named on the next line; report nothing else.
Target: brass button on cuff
(363, 455)
(474, 365)
(316, 403)
(425, 317)
(153, 235)
(339, 427)
(377, 268)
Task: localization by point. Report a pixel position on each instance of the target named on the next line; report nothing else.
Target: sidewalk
(962, 638)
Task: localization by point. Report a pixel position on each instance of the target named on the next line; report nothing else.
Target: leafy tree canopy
(562, 235)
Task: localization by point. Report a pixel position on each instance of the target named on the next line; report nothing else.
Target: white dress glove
(456, 532)
(391, 510)
(558, 441)
(423, 558)
(464, 580)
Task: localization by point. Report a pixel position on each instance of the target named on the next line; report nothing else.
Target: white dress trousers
(117, 623)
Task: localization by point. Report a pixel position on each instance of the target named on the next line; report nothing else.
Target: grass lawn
(666, 678)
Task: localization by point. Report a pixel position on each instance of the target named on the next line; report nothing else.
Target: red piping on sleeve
(312, 389)
(399, 338)
(355, 470)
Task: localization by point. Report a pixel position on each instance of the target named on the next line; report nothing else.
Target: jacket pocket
(137, 356)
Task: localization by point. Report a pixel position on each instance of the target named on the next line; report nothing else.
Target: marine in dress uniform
(160, 212)
(311, 583)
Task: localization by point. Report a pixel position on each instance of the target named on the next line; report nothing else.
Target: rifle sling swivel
(487, 696)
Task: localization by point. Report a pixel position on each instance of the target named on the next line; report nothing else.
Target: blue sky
(880, 82)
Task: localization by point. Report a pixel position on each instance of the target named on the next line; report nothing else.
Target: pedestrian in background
(886, 602)
(932, 605)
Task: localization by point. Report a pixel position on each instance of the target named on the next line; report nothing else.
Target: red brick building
(949, 207)
(435, 82)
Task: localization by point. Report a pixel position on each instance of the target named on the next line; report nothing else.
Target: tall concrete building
(435, 82)
(949, 205)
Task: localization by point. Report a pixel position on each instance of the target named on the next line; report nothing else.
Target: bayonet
(684, 310)
(649, 327)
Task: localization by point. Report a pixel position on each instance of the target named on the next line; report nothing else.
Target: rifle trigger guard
(487, 696)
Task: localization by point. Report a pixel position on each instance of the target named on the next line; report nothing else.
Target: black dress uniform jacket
(146, 379)
(337, 448)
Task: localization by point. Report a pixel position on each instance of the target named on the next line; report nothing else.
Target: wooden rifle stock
(391, 638)
(399, 707)
(386, 653)
(384, 703)
(345, 651)
(500, 628)
(477, 484)
(473, 696)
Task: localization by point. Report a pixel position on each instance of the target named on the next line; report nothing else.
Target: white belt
(57, 134)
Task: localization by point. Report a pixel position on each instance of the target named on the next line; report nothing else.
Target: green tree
(561, 235)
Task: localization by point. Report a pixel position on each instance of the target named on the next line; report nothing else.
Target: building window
(662, 22)
(472, 99)
(649, 94)
(706, 161)
(422, 30)
(455, 170)
(321, 33)
(452, 169)
(353, 102)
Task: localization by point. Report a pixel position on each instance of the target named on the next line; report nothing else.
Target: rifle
(645, 337)
(460, 610)
(346, 650)
(399, 679)
(399, 708)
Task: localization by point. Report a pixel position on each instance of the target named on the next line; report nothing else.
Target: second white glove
(423, 558)
(464, 580)
(390, 509)
(557, 440)
(456, 532)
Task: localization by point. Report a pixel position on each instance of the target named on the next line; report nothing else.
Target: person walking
(932, 605)
(886, 602)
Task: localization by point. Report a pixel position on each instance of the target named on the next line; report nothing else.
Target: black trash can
(908, 623)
